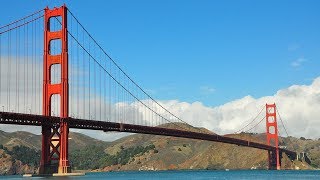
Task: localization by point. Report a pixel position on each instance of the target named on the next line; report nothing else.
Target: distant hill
(20, 151)
(151, 152)
(182, 153)
(21, 138)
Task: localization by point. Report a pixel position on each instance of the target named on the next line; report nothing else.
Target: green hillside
(20, 153)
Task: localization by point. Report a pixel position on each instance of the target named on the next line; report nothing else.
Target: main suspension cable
(236, 132)
(123, 70)
(285, 129)
(22, 19)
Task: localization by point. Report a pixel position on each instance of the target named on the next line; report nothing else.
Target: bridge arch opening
(272, 130)
(55, 46)
(55, 73)
(55, 23)
(271, 119)
(55, 105)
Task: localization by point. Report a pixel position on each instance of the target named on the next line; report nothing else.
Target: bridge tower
(272, 136)
(54, 155)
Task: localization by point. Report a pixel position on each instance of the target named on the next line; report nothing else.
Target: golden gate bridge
(55, 75)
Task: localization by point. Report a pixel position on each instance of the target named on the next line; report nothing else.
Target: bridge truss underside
(39, 120)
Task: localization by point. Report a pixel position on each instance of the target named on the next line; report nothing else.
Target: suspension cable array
(99, 87)
(255, 126)
(241, 129)
(93, 88)
(21, 56)
(117, 97)
(284, 127)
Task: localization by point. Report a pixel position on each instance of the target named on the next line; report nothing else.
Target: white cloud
(298, 105)
(206, 90)
(298, 62)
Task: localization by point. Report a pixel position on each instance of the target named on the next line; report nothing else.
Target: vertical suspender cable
(116, 98)
(32, 73)
(100, 96)
(118, 95)
(105, 94)
(78, 76)
(39, 72)
(27, 68)
(1, 71)
(99, 85)
(89, 84)
(16, 71)
(9, 72)
(84, 79)
(24, 69)
(110, 99)
(94, 90)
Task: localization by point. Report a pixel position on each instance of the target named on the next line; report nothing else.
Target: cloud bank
(298, 105)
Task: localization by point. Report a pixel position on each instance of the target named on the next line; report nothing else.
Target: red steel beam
(49, 155)
(272, 136)
(38, 120)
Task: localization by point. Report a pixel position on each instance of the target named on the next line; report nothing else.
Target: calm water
(186, 175)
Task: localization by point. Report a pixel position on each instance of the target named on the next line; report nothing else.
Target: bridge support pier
(47, 164)
(272, 136)
(54, 156)
(274, 159)
(64, 166)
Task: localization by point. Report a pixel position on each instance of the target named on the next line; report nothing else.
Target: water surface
(194, 174)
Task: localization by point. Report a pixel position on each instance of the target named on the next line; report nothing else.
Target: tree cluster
(25, 154)
(94, 157)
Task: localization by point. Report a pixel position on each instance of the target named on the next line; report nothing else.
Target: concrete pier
(54, 175)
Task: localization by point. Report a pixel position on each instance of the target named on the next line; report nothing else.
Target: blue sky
(207, 51)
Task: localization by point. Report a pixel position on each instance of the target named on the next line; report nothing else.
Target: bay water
(193, 174)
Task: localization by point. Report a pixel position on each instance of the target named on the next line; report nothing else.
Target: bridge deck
(39, 120)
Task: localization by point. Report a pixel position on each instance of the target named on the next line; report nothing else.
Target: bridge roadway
(39, 120)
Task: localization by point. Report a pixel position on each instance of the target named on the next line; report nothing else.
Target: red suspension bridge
(54, 74)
